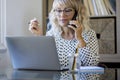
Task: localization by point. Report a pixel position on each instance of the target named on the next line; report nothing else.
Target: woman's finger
(72, 27)
(75, 23)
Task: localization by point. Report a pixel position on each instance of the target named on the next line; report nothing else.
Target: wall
(19, 13)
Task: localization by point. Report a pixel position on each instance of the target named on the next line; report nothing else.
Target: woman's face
(64, 15)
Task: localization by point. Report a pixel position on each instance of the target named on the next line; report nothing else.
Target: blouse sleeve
(89, 55)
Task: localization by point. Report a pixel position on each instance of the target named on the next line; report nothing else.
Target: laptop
(33, 52)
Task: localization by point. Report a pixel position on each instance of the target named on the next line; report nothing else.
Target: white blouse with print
(88, 56)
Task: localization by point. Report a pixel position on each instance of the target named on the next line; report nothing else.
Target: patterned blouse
(88, 56)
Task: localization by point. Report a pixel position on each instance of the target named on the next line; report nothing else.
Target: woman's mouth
(64, 20)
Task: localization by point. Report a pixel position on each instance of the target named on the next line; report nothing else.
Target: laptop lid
(33, 52)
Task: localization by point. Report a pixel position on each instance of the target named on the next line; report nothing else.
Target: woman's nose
(62, 14)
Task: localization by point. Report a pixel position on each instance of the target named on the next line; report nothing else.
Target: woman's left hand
(77, 29)
(78, 32)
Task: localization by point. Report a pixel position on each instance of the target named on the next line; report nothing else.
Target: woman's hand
(78, 28)
(78, 32)
(34, 27)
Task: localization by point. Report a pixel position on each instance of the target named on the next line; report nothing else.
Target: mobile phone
(74, 18)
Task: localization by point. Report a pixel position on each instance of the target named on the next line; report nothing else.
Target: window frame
(2, 25)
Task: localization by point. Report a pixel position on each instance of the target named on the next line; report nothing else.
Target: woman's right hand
(34, 27)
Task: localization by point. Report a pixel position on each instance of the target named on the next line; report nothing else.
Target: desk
(10, 74)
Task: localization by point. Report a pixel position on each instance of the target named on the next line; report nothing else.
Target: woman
(71, 29)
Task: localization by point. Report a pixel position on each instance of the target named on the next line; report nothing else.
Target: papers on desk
(91, 69)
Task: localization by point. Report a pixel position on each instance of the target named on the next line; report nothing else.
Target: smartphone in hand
(74, 18)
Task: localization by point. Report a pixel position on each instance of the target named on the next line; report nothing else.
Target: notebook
(91, 69)
(33, 52)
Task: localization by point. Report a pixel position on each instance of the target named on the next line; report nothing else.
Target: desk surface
(10, 74)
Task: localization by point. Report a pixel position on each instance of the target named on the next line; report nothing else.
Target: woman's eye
(68, 10)
(59, 10)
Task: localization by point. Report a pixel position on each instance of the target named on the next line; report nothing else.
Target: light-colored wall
(19, 13)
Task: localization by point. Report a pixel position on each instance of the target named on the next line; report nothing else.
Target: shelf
(100, 7)
(108, 16)
(105, 28)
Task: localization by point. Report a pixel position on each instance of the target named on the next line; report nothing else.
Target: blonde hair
(82, 15)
